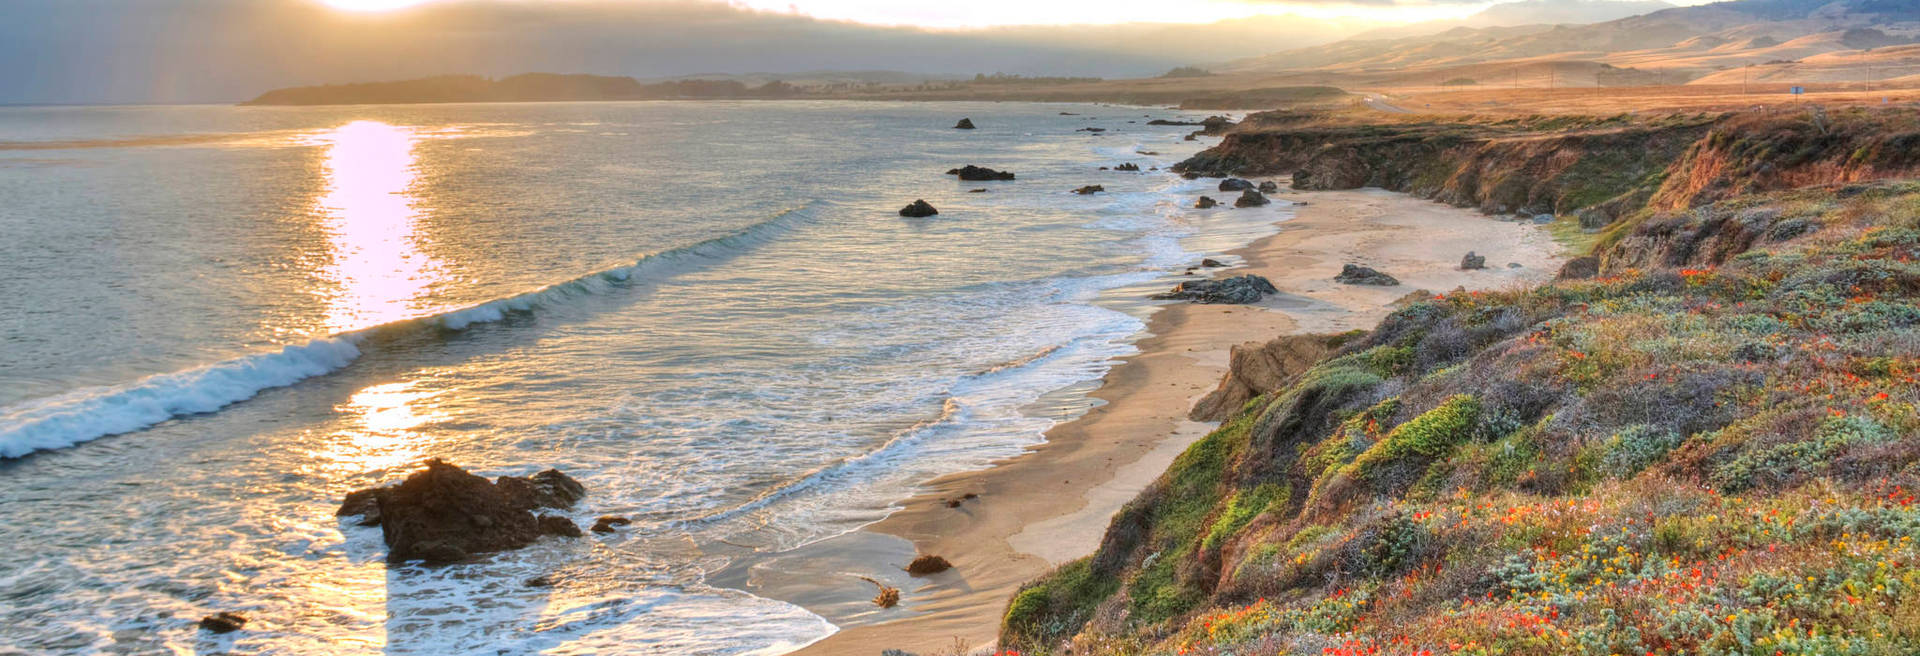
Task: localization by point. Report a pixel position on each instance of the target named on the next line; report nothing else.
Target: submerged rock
(964, 124)
(1091, 130)
(928, 564)
(1206, 202)
(1162, 121)
(609, 524)
(1472, 261)
(1089, 189)
(445, 514)
(1354, 274)
(1129, 166)
(918, 209)
(1251, 198)
(1235, 290)
(223, 622)
(979, 173)
(1235, 184)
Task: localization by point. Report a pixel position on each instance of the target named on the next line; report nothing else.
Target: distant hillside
(530, 87)
(1694, 40)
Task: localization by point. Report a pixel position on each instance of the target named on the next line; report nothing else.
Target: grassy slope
(1711, 450)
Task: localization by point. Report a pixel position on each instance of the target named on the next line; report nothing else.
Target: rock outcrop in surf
(444, 514)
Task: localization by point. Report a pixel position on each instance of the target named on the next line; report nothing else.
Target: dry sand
(1052, 504)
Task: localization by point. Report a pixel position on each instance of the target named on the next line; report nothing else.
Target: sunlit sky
(988, 13)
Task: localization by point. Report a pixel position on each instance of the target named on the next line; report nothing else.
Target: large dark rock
(1269, 187)
(964, 124)
(1250, 198)
(1473, 261)
(445, 514)
(1205, 202)
(1354, 274)
(1235, 184)
(1234, 290)
(980, 173)
(918, 209)
(1580, 268)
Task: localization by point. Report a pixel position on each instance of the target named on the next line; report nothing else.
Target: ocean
(218, 320)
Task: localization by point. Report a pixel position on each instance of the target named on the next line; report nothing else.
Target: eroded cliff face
(1602, 170)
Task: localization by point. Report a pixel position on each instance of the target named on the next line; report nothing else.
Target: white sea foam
(87, 414)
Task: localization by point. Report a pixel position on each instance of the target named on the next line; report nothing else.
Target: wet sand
(1052, 504)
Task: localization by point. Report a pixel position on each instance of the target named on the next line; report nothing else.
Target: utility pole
(1744, 72)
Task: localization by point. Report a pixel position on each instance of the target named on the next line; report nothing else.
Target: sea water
(215, 321)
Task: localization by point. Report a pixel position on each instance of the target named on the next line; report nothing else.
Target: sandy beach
(1052, 504)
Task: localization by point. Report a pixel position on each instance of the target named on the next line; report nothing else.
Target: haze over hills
(1671, 45)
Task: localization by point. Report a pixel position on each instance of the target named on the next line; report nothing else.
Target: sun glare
(371, 5)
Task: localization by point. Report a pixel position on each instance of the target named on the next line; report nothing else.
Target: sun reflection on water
(378, 273)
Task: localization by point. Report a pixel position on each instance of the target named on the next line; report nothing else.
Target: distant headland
(529, 87)
(1187, 87)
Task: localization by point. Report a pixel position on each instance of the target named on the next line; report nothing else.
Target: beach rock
(1211, 263)
(557, 525)
(1089, 189)
(547, 489)
(223, 622)
(1129, 166)
(1471, 261)
(1251, 198)
(964, 124)
(364, 504)
(918, 209)
(1237, 290)
(1514, 265)
(609, 524)
(1191, 137)
(973, 173)
(928, 564)
(899, 652)
(445, 514)
(1269, 187)
(1580, 268)
(1354, 274)
(1206, 202)
(1235, 184)
(1255, 368)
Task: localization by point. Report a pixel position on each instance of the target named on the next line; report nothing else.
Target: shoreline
(1052, 504)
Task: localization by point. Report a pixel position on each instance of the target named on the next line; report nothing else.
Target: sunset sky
(184, 51)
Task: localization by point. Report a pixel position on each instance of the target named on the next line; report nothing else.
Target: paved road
(1378, 103)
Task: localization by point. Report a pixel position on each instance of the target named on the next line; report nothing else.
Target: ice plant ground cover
(1709, 449)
